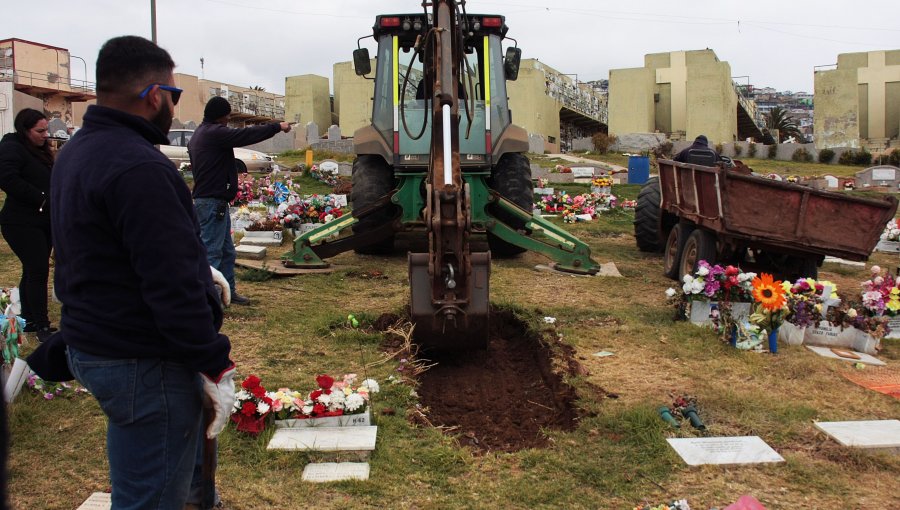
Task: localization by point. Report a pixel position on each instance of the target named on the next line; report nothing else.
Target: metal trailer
(728, 215)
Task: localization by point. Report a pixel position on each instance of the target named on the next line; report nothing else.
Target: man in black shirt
(215, 181)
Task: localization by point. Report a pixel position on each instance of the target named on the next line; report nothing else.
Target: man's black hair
(130, 62)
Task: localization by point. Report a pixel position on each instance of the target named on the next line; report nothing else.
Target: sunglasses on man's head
(176, 92)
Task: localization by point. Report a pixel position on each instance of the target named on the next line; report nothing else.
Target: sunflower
(768, 292)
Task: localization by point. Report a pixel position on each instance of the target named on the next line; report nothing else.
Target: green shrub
(894, 158)
(773, 151)
(846, 158)
(863, 157)
(825, 156)
(751, 150)
(738, 150)
(802, 155)
(603, 141)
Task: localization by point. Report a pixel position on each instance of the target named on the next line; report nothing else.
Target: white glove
(220, 394)
(220, 281)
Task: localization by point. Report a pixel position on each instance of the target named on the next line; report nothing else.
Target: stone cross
(676, 75)
(877, 75)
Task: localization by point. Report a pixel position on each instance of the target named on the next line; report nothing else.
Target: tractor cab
(403, 96)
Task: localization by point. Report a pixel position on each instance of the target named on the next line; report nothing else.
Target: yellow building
(35, 75)
(307, 99)
(857, 104)
(682, 94)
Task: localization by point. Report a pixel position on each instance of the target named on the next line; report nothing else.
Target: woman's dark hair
(130, 62)
(25, 120)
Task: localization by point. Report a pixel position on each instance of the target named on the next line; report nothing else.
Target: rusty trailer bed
(772, 214)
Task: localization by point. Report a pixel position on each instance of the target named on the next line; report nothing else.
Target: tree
(780, 119)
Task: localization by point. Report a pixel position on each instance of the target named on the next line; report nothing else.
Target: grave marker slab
(249, 251)
(335, 471)
(334, 132)
(325, 439)
(863, 434)
(696, 451)
(97, 501)
(829, 353)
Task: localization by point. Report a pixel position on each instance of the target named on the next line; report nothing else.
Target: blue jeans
(154, 412)
(215, 231)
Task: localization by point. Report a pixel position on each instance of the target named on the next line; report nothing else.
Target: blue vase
(773, 341)
(733, 340)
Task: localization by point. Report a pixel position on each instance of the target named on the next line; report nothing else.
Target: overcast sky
(259, 42)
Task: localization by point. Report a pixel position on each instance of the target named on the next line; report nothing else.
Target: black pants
(32, 246)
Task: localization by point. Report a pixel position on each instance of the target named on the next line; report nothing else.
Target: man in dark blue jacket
(215, 181)
(140, 317)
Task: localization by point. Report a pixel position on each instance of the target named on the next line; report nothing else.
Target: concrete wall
(836, 109)
(352, 98)
(193, 99)
(532, 109)
(631, 107)
(711, 101)
(308, 96)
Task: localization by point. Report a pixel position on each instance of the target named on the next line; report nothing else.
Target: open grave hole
(502, 397)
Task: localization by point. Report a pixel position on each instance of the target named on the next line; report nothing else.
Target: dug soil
(501, 398)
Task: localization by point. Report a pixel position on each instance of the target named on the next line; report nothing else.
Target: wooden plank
(276, 267)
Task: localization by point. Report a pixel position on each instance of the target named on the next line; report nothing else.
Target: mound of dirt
(501, 398)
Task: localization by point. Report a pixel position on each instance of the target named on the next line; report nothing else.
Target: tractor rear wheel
(674, 248)
(372, 179)
(647, 217)
(511, 177)
(700, 245)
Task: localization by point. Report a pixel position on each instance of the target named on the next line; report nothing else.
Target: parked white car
(245, 159)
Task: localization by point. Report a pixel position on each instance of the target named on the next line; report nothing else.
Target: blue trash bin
(638, 169)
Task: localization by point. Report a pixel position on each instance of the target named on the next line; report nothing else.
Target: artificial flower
(768, 292)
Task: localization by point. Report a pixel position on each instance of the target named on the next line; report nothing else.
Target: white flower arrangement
(891, 231)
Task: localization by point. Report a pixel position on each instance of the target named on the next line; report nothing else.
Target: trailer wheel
(700, 245)
(372, 179)
(674, 249)
(511, 177)
(647, 217)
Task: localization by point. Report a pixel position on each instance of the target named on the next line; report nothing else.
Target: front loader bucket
(447, 326)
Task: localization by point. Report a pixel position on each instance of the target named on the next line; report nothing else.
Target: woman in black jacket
(25, 164)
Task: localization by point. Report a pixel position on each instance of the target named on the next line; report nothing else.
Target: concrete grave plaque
(863, 434)
(329, 166)
(340, 200)
(336, 471)
(248, 251)
(582, 171)
(828, 352)
(97, 501)
(334, 132)
(325, 439)
(831, 181)
(696, 451)
(312, 132)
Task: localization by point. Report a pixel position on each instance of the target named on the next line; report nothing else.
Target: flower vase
(773, 341)
(733, 339)
(249, 424)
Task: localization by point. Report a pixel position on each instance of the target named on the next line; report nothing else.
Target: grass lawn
(615, 458)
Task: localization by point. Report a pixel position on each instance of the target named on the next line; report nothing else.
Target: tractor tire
(700, 245)
(511, 177)
(674, 248)
(372, 179)
(647, 217)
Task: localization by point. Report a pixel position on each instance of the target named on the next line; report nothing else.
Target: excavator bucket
(450, 326)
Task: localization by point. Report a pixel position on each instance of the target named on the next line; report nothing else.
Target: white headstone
(863, 434)
(336, 471)
(312, 132)
(334, 132)
(861, 356)
(325, 439)
(329, 166)
(696, 451)
(831, 181)
(97, 501)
